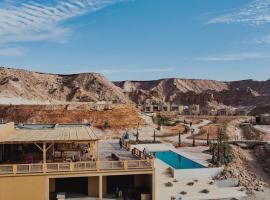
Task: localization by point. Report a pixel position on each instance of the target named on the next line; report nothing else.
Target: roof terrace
(32, 149)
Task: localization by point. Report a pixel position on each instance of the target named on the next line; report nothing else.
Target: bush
(106, 125)
(161, 120)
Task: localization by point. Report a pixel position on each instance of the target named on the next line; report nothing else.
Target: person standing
(120, 143)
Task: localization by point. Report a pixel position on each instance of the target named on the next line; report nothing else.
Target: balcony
(97, 166)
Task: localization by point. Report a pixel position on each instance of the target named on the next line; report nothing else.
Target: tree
(221, 150)
(193, 137)
(137, 135)
(106, 125)
(179, 139)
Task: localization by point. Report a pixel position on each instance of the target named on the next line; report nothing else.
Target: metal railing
(91, 166)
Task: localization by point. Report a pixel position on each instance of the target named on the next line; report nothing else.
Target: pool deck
(193, 192)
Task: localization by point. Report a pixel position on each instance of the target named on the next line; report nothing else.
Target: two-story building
(41, 162)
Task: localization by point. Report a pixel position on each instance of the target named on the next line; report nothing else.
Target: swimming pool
(176, 161)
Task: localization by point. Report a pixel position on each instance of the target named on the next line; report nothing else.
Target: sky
(138, 39)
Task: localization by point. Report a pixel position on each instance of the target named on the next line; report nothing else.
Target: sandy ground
(146, 132)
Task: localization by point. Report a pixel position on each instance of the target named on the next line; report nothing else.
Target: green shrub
(106, 125)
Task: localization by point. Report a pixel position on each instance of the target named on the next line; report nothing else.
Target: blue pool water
(176, 161)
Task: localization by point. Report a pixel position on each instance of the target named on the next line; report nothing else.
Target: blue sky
(138, 39)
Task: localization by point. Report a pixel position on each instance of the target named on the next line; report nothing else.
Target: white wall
(188, 174)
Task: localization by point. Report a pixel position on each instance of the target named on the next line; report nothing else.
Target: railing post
(44, 167)
(152, 163)
(14, 168)
(71, 166)
(125, 165)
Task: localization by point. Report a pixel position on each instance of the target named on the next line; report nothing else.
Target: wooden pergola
(50, 136)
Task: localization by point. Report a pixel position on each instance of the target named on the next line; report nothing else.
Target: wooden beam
(49, 146)
(97, 151)
(44, 153)
(39, 147)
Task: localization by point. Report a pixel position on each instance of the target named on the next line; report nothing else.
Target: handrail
(122, 165)
(138, 153)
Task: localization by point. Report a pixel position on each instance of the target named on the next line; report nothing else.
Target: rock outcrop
(203, 92)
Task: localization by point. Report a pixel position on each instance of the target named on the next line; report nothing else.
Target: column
(44, 153)
(100, 188)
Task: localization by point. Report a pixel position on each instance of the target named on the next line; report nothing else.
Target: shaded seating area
(65, 143)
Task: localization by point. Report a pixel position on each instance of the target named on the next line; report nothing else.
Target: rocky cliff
(203, 92)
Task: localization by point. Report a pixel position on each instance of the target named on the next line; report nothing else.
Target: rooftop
(47, 133)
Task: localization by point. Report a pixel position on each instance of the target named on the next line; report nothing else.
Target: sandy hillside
(26, 87)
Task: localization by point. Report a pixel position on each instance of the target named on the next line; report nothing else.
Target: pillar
(97, 151)
(100, 188)
(44, 153)
(153, 186)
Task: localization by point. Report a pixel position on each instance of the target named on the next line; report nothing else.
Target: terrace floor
(107, 147)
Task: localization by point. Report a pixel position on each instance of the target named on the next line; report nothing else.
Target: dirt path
(185, 137)
(248, 167)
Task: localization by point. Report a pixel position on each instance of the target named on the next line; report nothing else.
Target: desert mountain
(27, 87)
(202, 92)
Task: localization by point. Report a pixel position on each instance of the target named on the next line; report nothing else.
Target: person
(144, 150)
(120, 194)
(117, 192)
(120, 143)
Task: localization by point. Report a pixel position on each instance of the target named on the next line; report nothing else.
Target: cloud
(263, 40)
(31, 21)
(256, 13)
(12, 51)
(235, 57)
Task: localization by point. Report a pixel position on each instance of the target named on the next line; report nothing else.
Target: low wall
(154, 147)
(187, 174)
(231, 182)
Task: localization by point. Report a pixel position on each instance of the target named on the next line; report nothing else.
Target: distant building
(194, 109)
(186, 110)
(165, 107)
(241, 112)
(225, 111)
(263, 119)
(175, 107)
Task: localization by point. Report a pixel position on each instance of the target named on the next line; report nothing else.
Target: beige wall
(93, 186)
(6, 129)
(37, 187)
(17, 188)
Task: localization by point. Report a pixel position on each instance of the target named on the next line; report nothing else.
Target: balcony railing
(91, 166)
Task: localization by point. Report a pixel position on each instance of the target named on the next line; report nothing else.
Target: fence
(122, 165)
